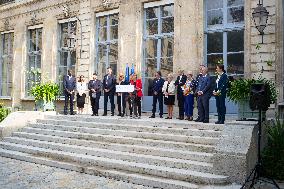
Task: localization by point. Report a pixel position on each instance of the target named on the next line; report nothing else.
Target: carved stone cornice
(7, 25)
(27, 8)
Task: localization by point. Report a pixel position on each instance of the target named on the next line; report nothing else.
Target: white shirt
(81, 87)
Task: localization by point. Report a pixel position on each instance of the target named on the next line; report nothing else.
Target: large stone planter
(44, 106)
(245, 113)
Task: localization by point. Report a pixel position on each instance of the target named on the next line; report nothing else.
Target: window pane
(147, 86)
(64, 57)
(32, 64)
(168, 25)
(235, 14)
(64, 34)
(103, 34)
(101, 53)
(235, 41)
(214, 4)
(235, 3)
(235, 63)
(150, 67)
(113, 53)
(113, 19)
(152, 27)
(167, 47)
(168, 11)
(151, 13)
(39, 40)
(113, 65)
(102, 21)
(215, 42)
(214, 17)
(166, 66)
(151, 48)
(38, 61)
(32, 40)
(114, 32)
(212, 62)
(73, 61)
(73, 27)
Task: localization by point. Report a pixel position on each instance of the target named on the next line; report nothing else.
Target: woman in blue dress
(188, 93)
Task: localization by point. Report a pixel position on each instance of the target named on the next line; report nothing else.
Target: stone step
(141, 168)
(125, 156)
(138, 128)
(145, 180)
(144, 121)
(133, 134)
(138, 149)
(29, 132)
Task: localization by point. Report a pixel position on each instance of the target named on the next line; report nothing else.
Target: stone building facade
(149, 35)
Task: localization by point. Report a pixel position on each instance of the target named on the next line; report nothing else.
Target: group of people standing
(95, 88)
(185, 88)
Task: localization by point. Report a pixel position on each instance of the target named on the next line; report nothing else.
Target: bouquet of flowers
(186, 89)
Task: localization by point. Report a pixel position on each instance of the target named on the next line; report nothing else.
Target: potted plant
(45, 94)
(239, 92)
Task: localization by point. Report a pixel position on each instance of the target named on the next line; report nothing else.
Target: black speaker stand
(257, 173)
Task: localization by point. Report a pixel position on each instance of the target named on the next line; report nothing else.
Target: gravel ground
(16, 174)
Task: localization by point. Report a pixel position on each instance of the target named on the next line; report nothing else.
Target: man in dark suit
(109, 82)
(219, 92)
(157, 94)
(179, 83)
(204, 93)
(69, 86)
(95, 93)
(198, 77)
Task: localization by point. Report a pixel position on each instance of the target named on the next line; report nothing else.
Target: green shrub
(4, 112)
(273, 154)
(240, 89)
(45, 91)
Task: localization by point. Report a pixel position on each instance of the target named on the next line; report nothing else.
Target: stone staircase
(159, 153)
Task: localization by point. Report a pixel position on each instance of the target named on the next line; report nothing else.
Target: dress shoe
(217, 122)
(118, 114)
(104, 115)
(112, 114)
(122, 115)
(161, 116)
(206, 121)
(65, 113)
(220, 122)
(93, 114)
(96, 114)
(181, 118)
(197, 120)
(152, 116)
(72, 113)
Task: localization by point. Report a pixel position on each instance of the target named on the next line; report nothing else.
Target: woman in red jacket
(136, 96)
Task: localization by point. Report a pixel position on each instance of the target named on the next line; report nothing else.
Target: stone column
(49, 49)
(19, 63)
(189, 35)
(130, 35)
(83, 42)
